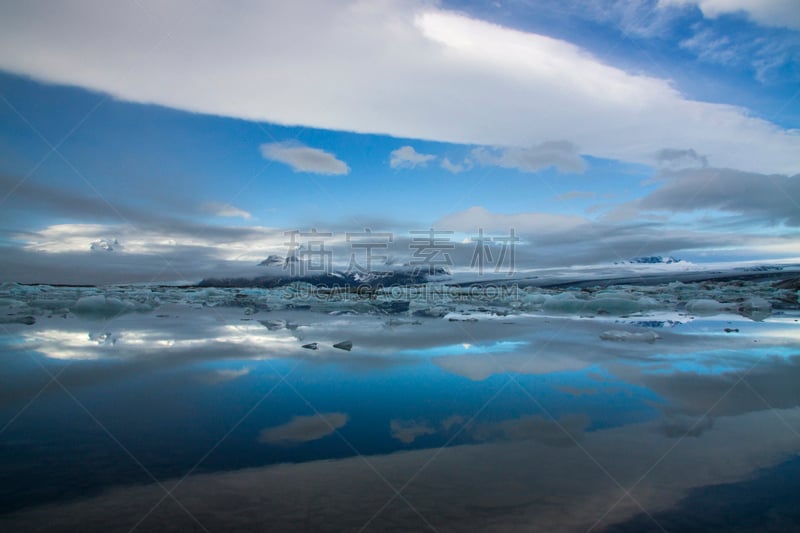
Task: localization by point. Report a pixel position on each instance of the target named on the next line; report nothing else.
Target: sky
(152, 142)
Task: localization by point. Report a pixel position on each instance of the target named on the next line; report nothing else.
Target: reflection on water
(506, 422)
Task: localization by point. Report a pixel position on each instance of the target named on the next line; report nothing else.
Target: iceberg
(626, 336)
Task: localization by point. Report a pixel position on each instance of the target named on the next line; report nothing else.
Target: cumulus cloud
(407, 157)
(303, 429)
(304, 158)
(562, 155)
(411, 58)
(456, 168)
(781, 13)
(225, 210)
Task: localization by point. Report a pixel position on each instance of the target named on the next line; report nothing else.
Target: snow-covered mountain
(650, 260)
(273, 260)
(284, 273)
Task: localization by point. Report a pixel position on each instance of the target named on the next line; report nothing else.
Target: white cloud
(560, 154)
(304, 158)
(390, 67)
(225, 210)
(303, 429)
(246, 243)
(456, 168)
(407, 157)
(781, 13)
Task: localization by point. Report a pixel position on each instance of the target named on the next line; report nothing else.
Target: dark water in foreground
(196, 420)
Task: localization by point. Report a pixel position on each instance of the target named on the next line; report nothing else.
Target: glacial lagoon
(615, 408)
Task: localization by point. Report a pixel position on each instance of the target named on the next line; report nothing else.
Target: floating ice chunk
(614, 306)
(99, 306)
(431, 312)
(705, 306)
(344, 345)
(756, 308)
(273, 325)
(627, 336)
(392, 306)
(533, 299)
(53, 304)
(567, 303)
(12, 303)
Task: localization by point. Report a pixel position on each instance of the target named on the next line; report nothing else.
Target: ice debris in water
(755, 299)
(568, 303)
(627, 336)
(756, 308)
(707, 306)
(344, 345)
(100, 306)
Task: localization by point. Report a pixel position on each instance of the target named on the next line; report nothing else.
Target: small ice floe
(344, 345)
(756, 308)
(101, 306)
(627, 336)
(311, 346)
(431, 312)
(707, 306)
(273, 325)
(273, 260)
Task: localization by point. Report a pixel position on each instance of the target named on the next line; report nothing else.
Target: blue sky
(192, 139)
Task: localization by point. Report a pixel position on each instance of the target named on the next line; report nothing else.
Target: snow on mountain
(650, 260)
(273, 260)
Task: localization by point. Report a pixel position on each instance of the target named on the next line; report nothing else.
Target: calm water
(191, 419)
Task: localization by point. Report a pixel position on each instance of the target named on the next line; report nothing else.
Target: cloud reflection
(303, 429)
